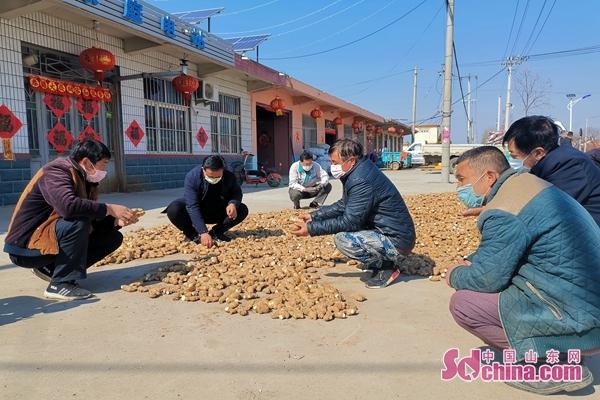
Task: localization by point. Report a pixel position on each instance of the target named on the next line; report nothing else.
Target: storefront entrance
(273, 140)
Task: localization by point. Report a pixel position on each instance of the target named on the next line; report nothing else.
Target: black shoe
(314, 204)
(220, 237)
(296, 206)
(367, 275)
(382, 278)
(546, 388)
(44, 273)
(66, 291)
(195, 239)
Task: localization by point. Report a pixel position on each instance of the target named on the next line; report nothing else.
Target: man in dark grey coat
(371, 222)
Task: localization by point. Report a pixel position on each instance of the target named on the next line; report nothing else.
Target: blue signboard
(92, 2)
(196, 39)
(168, 26)
(134, 11)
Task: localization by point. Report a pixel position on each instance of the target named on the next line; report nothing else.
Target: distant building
(427, 134)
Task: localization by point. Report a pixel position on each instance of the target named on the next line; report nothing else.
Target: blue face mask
(518, 164)
(467, 195)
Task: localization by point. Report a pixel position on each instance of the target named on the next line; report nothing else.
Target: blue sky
(481, 33)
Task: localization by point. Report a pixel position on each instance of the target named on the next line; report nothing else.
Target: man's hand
(306, 218)
(122, 223)
(461, 263)
(472, 212)
(300, 229)
(231, 211)
(122, 213)
(206, 240)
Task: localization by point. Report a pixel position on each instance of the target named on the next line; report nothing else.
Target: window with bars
(225, 125)
(167, 117)
(348, 131)
(309, 131)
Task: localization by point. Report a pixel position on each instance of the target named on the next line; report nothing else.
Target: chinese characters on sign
(168, 26)
(135, 133)
(9, 123)
(196, 39)
(134, 11)
(60, 138)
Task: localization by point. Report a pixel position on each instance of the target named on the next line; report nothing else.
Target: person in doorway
(308, 180)
(533, 282)
(371, 222)
(211, 196)
(59, 228)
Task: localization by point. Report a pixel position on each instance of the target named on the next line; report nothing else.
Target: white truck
(431, 153)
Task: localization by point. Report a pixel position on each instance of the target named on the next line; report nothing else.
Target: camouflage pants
(371, 248)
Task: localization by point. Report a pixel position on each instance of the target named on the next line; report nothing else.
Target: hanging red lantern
(379, 130)
(316, 113)
(370, 137)
(356, 125)
(97, 61)
(392, 129)
(278, 105)
(186, 85)
(338, 121)
(370, 127)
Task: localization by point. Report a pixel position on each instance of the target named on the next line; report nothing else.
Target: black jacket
(195, 188)
(575, 173)
(370, 202)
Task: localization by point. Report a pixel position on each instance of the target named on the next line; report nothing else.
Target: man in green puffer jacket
(534, 281)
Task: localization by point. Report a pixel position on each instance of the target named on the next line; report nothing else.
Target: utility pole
(499, 113)
(447, 105)
(510, 62)
(414, 105)
(470, 138)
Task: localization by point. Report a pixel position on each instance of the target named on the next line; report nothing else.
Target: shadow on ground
(19, 308)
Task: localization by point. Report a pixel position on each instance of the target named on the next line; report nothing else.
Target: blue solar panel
(247, 43)
(195, 17)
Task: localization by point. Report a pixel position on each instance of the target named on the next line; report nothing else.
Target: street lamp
(571, 104)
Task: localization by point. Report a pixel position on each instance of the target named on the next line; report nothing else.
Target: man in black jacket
(534, 141)
(211, 196)
(371, 222)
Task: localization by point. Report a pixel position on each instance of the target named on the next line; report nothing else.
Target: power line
(248, 9)
(320, 20)
(459, 79)
(353, 41)
(523, 18)
(542, 28)
(535, 25)
(512, 26)
(322, 39)
(267, 28)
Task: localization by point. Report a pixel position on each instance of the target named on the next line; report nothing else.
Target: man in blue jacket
(211, 196)
(534, 282)
(371, 222)
(534, 141)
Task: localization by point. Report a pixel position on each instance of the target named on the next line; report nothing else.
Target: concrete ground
(126, 346)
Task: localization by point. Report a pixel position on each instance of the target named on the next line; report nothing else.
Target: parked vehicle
(244, 173)
(426, 154)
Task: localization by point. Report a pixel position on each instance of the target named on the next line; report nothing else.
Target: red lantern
(370, 137)
(186, 85)
(370, 127)
(338, 121)
(316, 113)
(391, 129)
(356, 125)
(97, 61)
(379, 130)
(277, 104)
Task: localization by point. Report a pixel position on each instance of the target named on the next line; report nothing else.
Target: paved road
(126, 346)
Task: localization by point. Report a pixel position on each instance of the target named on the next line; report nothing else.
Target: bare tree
(533, 91)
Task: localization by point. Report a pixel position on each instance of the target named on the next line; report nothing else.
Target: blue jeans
(372, 248)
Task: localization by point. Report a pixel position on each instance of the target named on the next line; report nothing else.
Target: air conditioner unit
(207, 93)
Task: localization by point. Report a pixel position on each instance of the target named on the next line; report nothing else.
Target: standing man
(566, 140)
(533, 282)
(533, 141)
(308, 180)
(59, 228)
(211, 196)
(371, 223)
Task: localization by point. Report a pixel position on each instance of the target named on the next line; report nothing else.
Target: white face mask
(212, 181)
(304, 167)
(97, 176)
(337, 171)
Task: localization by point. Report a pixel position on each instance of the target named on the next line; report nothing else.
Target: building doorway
(273, 140)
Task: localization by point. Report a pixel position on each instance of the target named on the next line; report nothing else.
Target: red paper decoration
(97, 61)
(60, 138)
(338, 121)
(87, 108)
(89, 133)
(135, 133)
(370, 127)
(45, 85)
(392, 129)
(202, 137)
(277, 104)
(9, 123)
(316, 113)
(58, 104)
(186, 85)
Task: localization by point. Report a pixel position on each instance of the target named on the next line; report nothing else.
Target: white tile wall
(48, 31)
